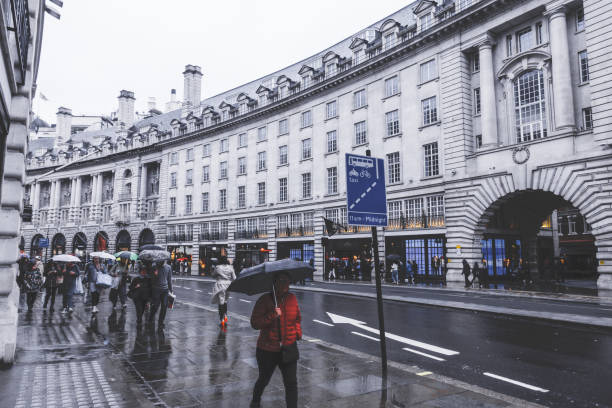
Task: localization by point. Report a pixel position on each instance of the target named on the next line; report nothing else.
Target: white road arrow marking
(338, 319)
(198, 290)
(420, 353)
(520, 384)
(323, 323)
(365, 335)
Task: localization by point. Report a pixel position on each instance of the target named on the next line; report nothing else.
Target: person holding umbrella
(121, 277)
(161, 282)
(140, 292)
(224, 274)
(71, 274)
(92, 270)
(51, 283)
(32, 282)
(277, 317)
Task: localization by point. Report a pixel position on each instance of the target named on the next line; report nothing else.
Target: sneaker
(70, 310)
(94, 309)
(124, 307)
(64, 310)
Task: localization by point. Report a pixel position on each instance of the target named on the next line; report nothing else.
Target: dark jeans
(160, 297)
(31, 298)
(140, 305)
(119, 293)
(67, 297)
(95, 298)
(50, 293)
(267, 362)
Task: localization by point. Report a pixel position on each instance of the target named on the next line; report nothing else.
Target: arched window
(530, 106)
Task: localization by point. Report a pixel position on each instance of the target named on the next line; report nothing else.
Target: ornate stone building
(490, 115)
(21, 31)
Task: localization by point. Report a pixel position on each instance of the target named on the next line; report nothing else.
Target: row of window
(431, 168)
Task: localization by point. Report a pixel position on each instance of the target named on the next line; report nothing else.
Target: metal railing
(148, 215)
(301, 231)
(21, 22)
(406, 223)
(213, 236)
(125, 196)
(252, 234)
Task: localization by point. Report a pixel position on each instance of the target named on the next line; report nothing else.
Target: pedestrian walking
(121, 278)
(51, 284)
(32, 282)
(394, 273)
(332, 271)
(70, 274)
(483, 275)
(466, 273)
(277, 316)
(415, 271)
(92, 270)
(224, 274)
(140, 292)
(475, 274)
(161, 284)
(444, 266)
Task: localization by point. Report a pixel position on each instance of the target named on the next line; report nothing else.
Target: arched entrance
(146, 237)
(537, 234)
(123, 241)
(79, 244)
(35, 249)
(101, 241)
(58, 244)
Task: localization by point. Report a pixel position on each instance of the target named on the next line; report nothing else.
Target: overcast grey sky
(102, 46)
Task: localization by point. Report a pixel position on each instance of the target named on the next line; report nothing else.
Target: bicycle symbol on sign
(365, 173)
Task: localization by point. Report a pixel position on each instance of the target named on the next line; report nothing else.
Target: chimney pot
(125, 113)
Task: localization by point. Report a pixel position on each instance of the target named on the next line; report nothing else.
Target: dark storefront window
(501, 255)
(248, 255)
(423, 251)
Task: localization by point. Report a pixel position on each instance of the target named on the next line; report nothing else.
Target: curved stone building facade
(491, 115)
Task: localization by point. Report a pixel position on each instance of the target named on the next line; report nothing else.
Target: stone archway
(79, 244)
(101, 242)
(470, 208)
(58, 244)
(146, 237)
(123, 242)
(35, 249)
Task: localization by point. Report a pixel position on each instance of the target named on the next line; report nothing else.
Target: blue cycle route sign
(366, 197)
(43, 242)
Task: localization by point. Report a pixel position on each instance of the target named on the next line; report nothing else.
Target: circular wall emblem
(520, 155)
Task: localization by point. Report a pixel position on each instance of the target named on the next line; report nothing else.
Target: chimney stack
(125, 114)
(173, 104)
(192, 89)
(151, 104)
(63, 125)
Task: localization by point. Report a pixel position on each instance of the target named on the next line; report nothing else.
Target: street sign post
(365, 191)
(43, 242)
(366, 201)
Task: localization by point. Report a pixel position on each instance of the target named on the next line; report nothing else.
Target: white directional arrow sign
(338, 319)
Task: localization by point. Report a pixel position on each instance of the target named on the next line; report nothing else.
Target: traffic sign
(365, 191)
(43, 242)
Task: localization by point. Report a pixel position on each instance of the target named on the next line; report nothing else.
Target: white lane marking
(337, 319)
(314, 340)
(187, 288)
(365, 335)
(244, 300)
(423, 354)
(425, 373)
(177, 286)
(520, 384)
(324, 323)
(210, 293)
(198, 290)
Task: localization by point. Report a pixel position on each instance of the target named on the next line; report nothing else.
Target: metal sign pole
(379, 302)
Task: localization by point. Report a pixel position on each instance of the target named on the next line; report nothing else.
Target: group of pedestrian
(479, 272)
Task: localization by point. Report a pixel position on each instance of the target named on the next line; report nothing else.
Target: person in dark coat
(51, 284)
(466, 273)
(161, 282)
(475, 274)
(140, 292)
(92, 269)
(32, 282)
(279, 323)
(71, 274)
(483, 275)
(120, 271)
(415, 271)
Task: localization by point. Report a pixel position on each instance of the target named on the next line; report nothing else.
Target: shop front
(424, 251)
(208, 257)
(36, 249)
(251, 254)
(123, 242)
(299, 250)
(178, 255)
(101, 241)
(351, 258)
(503, 255)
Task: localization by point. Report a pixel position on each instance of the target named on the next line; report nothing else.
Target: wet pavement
(75, 361)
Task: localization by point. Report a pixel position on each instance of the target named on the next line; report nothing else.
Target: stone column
(94, 197)
(319, 254)
(143, 189)
(488, 102)
(35, 196)
(77, 200)
(554, 225)
(561, 75)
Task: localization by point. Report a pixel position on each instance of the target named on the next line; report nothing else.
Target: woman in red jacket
(268, 314)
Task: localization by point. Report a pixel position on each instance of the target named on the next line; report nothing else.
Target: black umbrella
(151, 247)
(154, 255)
(394, 257)
(259, 278)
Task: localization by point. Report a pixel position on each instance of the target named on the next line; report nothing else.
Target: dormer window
(426, 22)
(263, 100)
(242, 108)
(206, 121)
(282, 92)
(389, 41)
(306, 81)
(224, 115)
(330, 70)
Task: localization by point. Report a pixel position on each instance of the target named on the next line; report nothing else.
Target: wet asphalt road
(572, 362)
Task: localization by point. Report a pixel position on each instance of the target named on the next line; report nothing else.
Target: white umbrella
(66, 258)
(103, 255)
